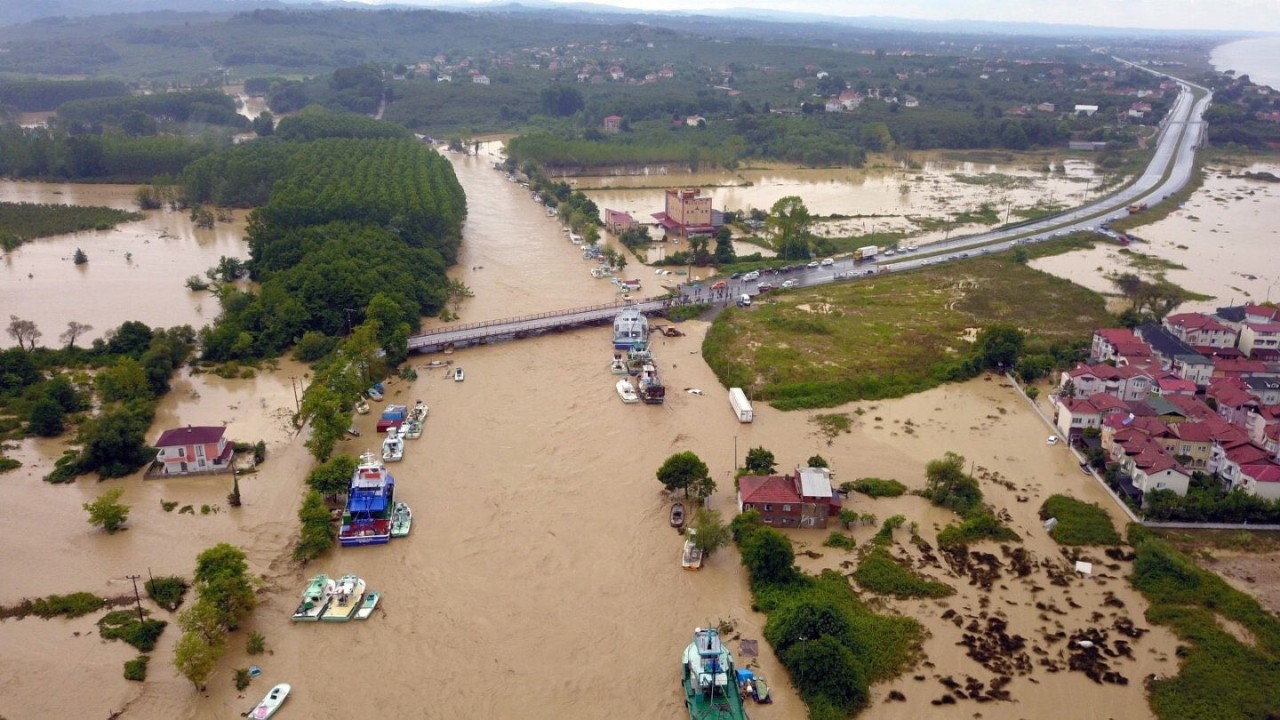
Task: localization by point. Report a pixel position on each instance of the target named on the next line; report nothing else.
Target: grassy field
(890, 336)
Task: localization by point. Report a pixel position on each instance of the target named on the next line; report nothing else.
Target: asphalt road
(1181, 132)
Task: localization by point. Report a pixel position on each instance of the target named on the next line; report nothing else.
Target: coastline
(1257, 57)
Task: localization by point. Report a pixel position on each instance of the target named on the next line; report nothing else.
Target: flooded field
(1225, 239)
(541, 579)
(135, 271)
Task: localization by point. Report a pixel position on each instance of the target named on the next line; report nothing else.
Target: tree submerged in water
(79, 258)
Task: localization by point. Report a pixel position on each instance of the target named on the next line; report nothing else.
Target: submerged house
(804, 499)
(194, 450)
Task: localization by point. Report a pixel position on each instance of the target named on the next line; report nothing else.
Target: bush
(136, 669)
(167, 591)
(978, 526)
(71, 606)
(1079, 523)
(840, 540)
(875, 487)
(316, 534)
(107, 511)
(242, 678)
(256, 644)
(879, 572)
(125, 625)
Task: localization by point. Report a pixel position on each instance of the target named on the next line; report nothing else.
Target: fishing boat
(652, 391)
(618, 366)
(314, 600)
(401, 520)
(370, 500)
(362, 406)
(458, 375)
(677, 515)
(710, 688)
(393, 447)
(412, 429)
(630, 328)
(344, 600)
(419, 411)
(366, 607)
(271, 703)
(375, 392)
(627, 392)
(691, 555)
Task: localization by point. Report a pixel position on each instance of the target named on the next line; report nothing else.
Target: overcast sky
(1245, 15)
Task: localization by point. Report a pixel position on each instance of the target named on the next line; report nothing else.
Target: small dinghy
(366, 608)
(271, 703)
(677, 515)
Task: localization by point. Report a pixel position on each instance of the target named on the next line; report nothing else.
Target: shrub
(881, 573)
(316, 534)
(876, 487)
(242, 678)
(1079, 523)
(168, 505)
(256, 644)
(136, 669)
(71, 606)
(981, 525)
(125, 625)
(167, 591)
(839, 540)
(107, 511)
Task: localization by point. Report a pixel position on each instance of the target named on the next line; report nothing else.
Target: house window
(199, 451)
(786, 508)
(768, 507)
(1160, 486)
(182, 452)
(768, 519)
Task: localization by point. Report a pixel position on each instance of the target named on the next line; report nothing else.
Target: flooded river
(541, 579)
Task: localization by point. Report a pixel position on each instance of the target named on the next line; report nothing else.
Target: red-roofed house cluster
(1200, 393)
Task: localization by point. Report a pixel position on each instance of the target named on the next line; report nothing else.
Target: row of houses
(1197, 393)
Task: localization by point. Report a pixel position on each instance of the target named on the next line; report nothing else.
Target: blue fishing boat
(370, 503)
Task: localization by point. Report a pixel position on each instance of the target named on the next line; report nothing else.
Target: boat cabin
(630, 328)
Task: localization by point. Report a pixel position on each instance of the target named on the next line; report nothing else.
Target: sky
(1238, 15)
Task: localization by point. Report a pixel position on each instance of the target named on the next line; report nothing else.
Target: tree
(332, 477)
(825, 667)
(999, 345)
(759, 462)
(712, 532)
(73, 331)
(1068, 389)
(789, 222)
(682, 470)
(47, 417)
(768, 556)
(222, 579)
(316, 534)
(264, 124)
(949, 486)
(79, 258)
(24, 332)
(196, 659)
(817, 461)
(108, 511)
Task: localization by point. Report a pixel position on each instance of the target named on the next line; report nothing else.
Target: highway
(1180, 133)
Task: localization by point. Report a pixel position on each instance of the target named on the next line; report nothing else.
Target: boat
(652, 391)
(370, 500)
(401, 520)
(412, 429)
(393, 447)
(362, 406)
(630, 328)
(375, 392)
(691, 555)
(314, 600)
(353, 432)
(366, 607)
(618, 366)
(627, 392)
(344, 600)
(419, 411)
(439, 363)
(271, 703)
(753, 686)
(710, 686)
(677, 515)
(458, 375)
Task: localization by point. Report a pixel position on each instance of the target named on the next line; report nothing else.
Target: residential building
(617, 222)
(803, 499)
(1088, 110)
(194, 450)
(1122, 381)
(1261, 479)
(613, 124)
(695, 121)
(1266, 389)
(480, 79)
(1074, 416)
(1260, 340)
(1201, 331)
(687, 211)
(1114, 343)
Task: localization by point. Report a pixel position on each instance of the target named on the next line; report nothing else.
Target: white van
(753, 275)
(744, 301)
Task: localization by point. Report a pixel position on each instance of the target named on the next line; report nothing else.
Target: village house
(1145, 466)
(480, 79)
(688, 211)
(1263, 427)
(194, 450)
(1045, 107)
(1074, 416)
(1233, 400)
(1114, 343)
(1123, 382)
(1266, 389)
(695, 121)
(613, 124)
(617, 221)
(1201, 331)
(1088, 110)
(803, 499)
(1260, 340)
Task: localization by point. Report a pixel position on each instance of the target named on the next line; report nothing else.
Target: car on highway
(827, 262)
(788, 284)
(813, 264)
(765, 287)
(753, 275)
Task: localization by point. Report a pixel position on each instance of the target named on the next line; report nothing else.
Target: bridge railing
(530, 318)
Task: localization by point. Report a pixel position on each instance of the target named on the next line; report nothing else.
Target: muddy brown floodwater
(541, 579)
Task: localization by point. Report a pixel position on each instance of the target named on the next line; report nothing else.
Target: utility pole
(136, 596)
(348, 312)
(296, 404)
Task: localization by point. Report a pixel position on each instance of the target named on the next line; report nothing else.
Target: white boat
(362, 406)
(393, 447)
(346, 596)
(401, 520)
(412, 429)
(458, 375)
(627, 391)
(419, 411)
(691, 555)
(366, 607)
(618, 366)
(271, 703)
(314, 600)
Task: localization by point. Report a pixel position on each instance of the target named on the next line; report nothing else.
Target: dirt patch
(1257, 574)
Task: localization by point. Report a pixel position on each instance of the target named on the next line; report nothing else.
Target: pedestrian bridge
(482, 333)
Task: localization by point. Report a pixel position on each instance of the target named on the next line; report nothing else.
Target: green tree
(123, 381)
(316, 535)
(948, 485)
(202, 619)
(760, 462)
(79, 258)
(825, 667)
(108, 511)
(114, 443)
(196, 659)
(712, 532)
(768, 556)
(222, 579)
(788, 223)
(332, 477)
(264, 124)
(817, 461)
(681, 471)
(999, 345)
(46, 417)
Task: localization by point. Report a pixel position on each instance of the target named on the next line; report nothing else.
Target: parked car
(744, 300)
(765, 287)
(787, 284)
(735, 276)
(813, 264)
(827, 262)
(1053, 440)
(753, 275)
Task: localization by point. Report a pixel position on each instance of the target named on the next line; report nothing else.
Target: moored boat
(393, 447)
(370, 500)
(271, 703)
(677, 515)
(362, 406)
(345, 599)
(412, 429)
(458, 375)
(630, 328)
(627, 392)
(314, 600)
(710, 688)
(419, 411)
(691, 554)
(618, 366)
(652, 391)
(366, 607)
(401, 520)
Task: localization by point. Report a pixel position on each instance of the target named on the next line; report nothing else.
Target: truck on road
(741, 405)
(867, 252)
(1136, 208)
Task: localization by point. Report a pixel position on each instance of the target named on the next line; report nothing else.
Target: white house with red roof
(1115, 343)
(1075, 415)
(1233, 400)
(1146, 463)
(803, 499)
(1201, 331)
(1260, 340)
(1261, 313)
(194, 449)
(1124, 382)
(1261, 479)
(1169, 384)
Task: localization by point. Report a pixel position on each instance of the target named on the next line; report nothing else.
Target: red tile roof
(756, 489)
(1194, 321)
(1269, 328)
(1193, 431)
(1105, 403)
(198, 435)
(1262, 472)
